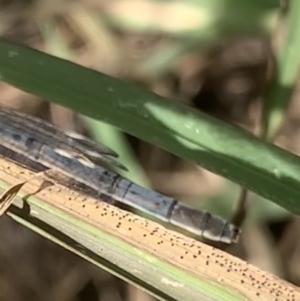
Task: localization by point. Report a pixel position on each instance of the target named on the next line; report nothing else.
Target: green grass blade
(167, 264)
(101, 132)
(116, 253)
(282, 86)
(219, 147)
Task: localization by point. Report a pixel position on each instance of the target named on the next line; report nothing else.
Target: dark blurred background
(168, 47)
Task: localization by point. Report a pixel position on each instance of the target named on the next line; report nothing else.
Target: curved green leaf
(219, 147)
